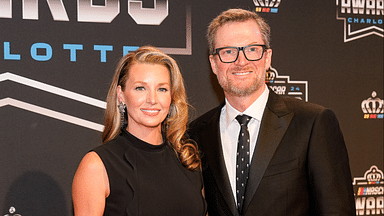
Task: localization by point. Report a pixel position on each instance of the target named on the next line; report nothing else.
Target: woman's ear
(119, 94)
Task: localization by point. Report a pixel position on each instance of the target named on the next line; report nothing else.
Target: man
(291, 158)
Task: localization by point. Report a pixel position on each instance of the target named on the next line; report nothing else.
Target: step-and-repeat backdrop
(58, 57)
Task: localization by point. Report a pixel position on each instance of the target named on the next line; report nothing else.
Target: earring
(123, 115)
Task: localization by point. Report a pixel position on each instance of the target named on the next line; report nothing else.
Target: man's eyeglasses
(252, 52)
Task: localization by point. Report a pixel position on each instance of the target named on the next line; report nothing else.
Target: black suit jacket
(299, 167)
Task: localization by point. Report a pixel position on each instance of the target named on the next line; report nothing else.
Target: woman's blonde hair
(175, 125)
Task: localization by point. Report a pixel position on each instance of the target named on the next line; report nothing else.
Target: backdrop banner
(58, 58)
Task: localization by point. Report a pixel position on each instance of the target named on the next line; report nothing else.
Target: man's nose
(241, 59)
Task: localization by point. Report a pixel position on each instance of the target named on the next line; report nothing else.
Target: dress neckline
(140, 144)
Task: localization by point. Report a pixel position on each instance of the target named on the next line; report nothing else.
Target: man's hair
(236, 15)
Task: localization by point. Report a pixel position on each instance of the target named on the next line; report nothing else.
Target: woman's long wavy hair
(175, 125)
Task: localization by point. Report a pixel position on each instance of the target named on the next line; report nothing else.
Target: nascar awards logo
(282, 85)
(373, 107)
(369, 192)
(267, 6)
(361, 18)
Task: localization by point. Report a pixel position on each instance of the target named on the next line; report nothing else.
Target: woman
(146, 165)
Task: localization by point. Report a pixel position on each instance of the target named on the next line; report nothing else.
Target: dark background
(39, 154)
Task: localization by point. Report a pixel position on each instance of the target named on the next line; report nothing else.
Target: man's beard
(240, 90)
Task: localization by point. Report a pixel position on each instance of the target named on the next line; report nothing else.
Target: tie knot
(243, 119)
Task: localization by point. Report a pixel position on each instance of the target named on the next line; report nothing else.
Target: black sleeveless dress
(147, 179)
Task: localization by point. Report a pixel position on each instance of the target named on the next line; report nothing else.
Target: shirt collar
(256, 109)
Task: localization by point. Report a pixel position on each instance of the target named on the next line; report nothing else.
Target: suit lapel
(216, 160)
(276, 119)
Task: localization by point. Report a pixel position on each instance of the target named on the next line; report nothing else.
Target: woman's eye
(139, 88)
(163, 89)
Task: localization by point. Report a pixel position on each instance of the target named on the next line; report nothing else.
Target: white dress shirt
(230, 128)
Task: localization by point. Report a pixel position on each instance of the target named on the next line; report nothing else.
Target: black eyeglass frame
(238, 51)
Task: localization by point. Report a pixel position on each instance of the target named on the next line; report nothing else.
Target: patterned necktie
(242, 159)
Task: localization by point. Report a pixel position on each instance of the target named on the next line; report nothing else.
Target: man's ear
(268, 58)
(212, 60)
